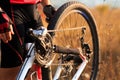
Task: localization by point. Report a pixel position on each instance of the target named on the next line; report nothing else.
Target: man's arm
(6, 30)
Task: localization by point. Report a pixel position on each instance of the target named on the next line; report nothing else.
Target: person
(16, 16)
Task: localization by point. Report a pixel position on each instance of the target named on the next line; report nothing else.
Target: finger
(8, 35)
(11, 28)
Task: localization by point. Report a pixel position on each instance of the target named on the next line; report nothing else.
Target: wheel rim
(70, 36)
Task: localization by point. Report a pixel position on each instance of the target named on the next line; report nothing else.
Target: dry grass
(108, 21)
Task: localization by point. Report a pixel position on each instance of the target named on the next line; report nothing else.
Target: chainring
(44, 51)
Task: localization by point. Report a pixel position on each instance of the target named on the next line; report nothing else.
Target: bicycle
(69, 45)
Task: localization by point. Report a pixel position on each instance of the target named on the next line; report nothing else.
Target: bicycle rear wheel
(73, 26)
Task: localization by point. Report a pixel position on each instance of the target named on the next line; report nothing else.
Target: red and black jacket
(24, 1)
(6, 6)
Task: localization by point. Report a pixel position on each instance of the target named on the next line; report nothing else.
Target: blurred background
(107, 16)
(90, 3)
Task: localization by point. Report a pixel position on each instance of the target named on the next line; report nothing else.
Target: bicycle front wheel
(74, 26)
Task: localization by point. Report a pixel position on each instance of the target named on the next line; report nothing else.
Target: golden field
(108, 21)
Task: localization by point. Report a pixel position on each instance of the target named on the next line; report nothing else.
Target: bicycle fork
(28, 63)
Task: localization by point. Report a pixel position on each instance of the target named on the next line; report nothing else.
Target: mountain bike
(69, 46)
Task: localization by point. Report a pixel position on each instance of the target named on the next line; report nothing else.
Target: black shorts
(23, 17)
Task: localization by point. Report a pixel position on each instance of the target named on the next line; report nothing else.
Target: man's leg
(8, 73)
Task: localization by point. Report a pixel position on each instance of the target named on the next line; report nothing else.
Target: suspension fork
(29, 60)
(28, 63)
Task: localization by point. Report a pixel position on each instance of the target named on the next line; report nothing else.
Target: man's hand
(49, 11)
(7, 36)
(6, 29)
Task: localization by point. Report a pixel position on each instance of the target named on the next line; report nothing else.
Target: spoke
(67, 29)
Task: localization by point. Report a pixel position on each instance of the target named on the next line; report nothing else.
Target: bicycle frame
(78, 72)
(27, 63)
(30, 60)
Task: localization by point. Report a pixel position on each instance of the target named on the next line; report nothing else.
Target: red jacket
(24, 1)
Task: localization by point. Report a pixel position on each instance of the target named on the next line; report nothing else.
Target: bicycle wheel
(73, 26)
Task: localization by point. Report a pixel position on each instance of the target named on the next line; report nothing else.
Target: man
(16, 16)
